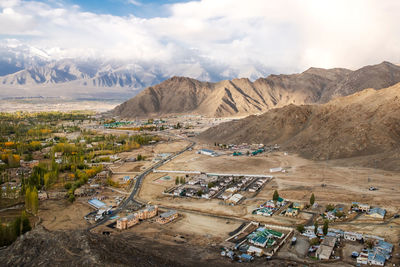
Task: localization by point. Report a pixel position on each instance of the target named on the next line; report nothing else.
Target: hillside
(41, 247)
(180, 95)
(365, 123)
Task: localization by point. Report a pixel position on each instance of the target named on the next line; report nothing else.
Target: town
(249, 202)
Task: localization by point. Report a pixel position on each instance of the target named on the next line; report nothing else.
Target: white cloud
(134, 2)
(282, 36)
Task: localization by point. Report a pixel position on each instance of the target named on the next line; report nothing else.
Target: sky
(245, 35)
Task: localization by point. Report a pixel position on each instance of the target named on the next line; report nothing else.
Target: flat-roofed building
(147, 213)
(167, 217)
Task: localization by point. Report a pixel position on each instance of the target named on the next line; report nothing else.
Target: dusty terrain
(341, 185)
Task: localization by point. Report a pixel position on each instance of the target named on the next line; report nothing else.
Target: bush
(300, 228)
(68, 186)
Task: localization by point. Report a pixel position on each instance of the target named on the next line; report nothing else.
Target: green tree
(326, 227)
(300, 228)
(199, 193)
(312, 199)
(28, 205)
(315, 227)
(16, 224)
(275, 197)
(71, 197)
(177, 180)
(34, 200)
(26, 224)
(314, 241)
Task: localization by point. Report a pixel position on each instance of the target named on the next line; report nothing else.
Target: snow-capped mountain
(27, 71)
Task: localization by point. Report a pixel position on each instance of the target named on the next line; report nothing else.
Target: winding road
(139, 180)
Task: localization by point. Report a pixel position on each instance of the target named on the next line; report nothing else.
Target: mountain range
(27, 71)
(240, 97)
(366, 123)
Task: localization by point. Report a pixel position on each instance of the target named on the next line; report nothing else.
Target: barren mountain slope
(365, 123)
(226, 98)
(376, 76)
(41, 247)
(175, 95)
(180, 95)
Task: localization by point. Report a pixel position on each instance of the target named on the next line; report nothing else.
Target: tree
(300, 228)
(26, 224)
(314, 241)
(17, 226)
(28, 199)
(34, 199)
(177, 180)
(312, 199)
(275, 197)
(71, 197)
(199, 193)
(315, 227)
(330, 207)
(326, 227)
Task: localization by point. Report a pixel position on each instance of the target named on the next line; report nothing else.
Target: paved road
(139, 180)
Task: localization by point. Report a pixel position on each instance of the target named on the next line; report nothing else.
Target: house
(147, 213)
(364, 207)
(102, 175)
(298, 206)
(42, 195)
(362, 258)
(351, 236)
(292, 212)
(167, 217)
(235, 199)
(384, 248)
(29, 164)
(127, 222)
(246, 257)
(375, 258)
(324, 251)
(255, 251)
(377, 213)
(226, 195)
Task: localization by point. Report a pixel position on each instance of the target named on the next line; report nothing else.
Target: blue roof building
(97, 204)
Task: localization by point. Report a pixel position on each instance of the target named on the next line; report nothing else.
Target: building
(278, 169)
(97, 204)
(292, 212)
(167, 217)
(235, 199)
(375, 258)
(324, 251)
(127, 222)
(147, 213)
(102, 175)
(364, 207)
(255, 251)
(377, 213)
(246, 257)
(207, 152)
(298, 206)
(29, 164)
(351, 236)
(42, 195)
(362, 258)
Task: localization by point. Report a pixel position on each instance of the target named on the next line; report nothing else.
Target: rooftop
(168, 213)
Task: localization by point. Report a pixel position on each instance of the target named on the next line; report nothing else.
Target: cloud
(134, 2)
(227, 36)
